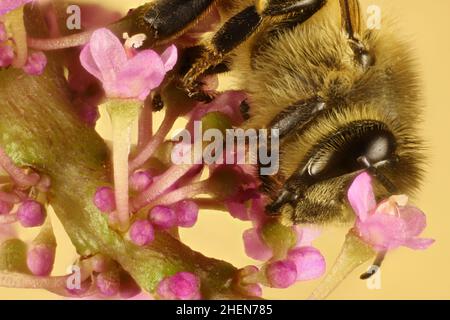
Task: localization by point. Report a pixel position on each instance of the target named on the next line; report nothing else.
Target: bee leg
(237, 29)
(296, 115)
(164, 20)
(281, 7)
(233, 33)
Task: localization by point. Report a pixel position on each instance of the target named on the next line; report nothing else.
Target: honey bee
(344, 98)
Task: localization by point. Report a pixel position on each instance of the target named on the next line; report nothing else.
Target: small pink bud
(6, 56)
(31, 214)
(181, 286)
(187, 213)
(163, 217)
(5, 207)
(40, 260)
(254, 290)
(309, 262)
(140, 180)
(142, 233)
(35, 64)
(255, 247)
(108, 284)
(281, 274)
(104, 199)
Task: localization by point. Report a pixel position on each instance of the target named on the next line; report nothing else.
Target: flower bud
(187, 213)
(40, 260)
(104, 199)
(181, 286)
(142, 233)
(35, 64)
(281, 274)
(163, 217)
(140, 180)
(309, 262)
(31, 214)
(108, 283)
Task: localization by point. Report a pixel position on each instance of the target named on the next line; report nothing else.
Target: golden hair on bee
(344, 98)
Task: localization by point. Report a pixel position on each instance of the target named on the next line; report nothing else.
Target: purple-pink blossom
(104, 199)
(181, 286)
(186, 212)
(140, 180)
(36, 64)
(388, 225)
(40, 260)
(142, 232)
(163, 217)
(125, 77)
(281, 274)
(31, 214)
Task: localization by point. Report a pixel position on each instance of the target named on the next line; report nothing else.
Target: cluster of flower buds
(13, 40)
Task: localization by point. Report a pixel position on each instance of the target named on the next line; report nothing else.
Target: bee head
(331, 151)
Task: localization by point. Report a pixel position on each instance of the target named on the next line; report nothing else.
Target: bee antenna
(376, 265)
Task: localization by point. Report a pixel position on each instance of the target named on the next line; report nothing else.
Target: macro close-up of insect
(343, 97)
(132, 131)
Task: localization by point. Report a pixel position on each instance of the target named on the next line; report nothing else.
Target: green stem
(123, 113)
(354, 253)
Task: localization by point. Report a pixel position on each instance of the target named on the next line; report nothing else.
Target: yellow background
(406, 274)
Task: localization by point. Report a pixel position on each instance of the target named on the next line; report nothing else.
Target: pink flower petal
(309, 261)
(361, 196)
(108, 53)
(415, 220)
(170, 57)
(139, 76)
(419, 244)
(255, 247)
(306, 235)
(382, 231)
(88, 62)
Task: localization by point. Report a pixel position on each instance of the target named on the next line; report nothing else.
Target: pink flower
(31, 214)
(9, 5)
(140, 180)
(181, 286)
(123, 77)
(163, 217)
(310, 263)
(254, 245)
(35, 64)
(104, 199)
(187, 213)
(228, 103)
(40, 260)
(142, 233)
(389, 225)
(281, 274)
(107, 284)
